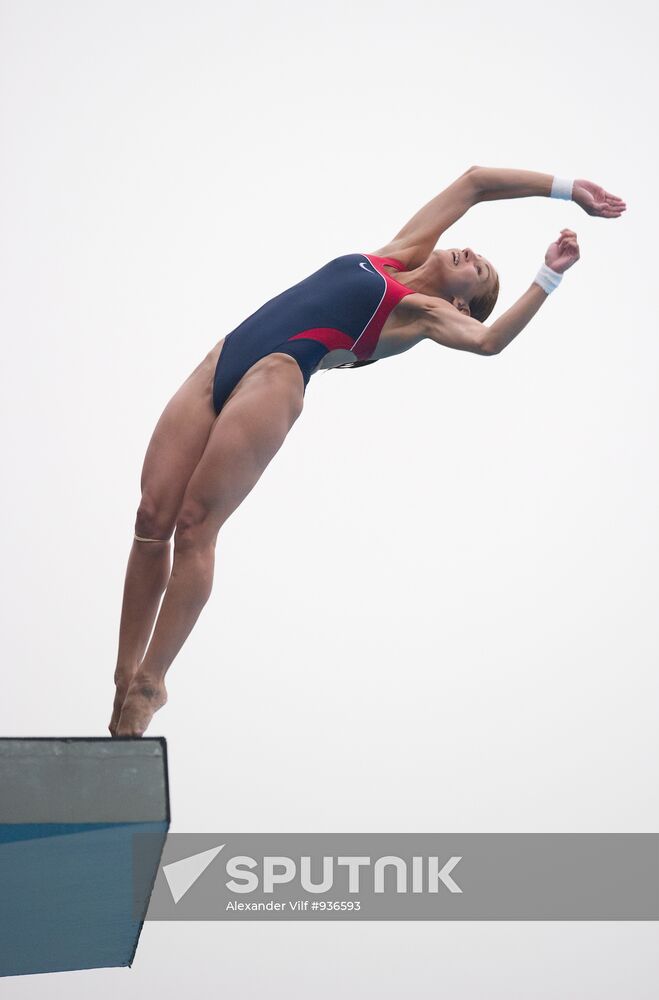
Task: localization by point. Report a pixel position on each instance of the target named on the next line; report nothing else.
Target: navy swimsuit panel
(343, 305)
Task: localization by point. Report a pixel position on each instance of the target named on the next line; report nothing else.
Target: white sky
(483, 656)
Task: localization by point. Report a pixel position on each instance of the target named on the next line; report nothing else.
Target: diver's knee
(152, 524)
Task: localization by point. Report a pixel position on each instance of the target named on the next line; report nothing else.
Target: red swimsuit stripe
(367, 340)
(332, 339)
(394, 291)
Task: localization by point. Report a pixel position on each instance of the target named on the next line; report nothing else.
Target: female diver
(229, 418)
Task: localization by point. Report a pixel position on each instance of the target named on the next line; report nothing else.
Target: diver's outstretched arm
(445, 324)
(494, 183)
(414, 243)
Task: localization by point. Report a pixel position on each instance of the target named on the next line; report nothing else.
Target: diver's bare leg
(176, 446)
(247, 434)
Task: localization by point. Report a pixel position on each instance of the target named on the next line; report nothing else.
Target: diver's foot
(122, 683)
(143, 699)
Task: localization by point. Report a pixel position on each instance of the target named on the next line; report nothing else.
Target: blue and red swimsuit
(343, 305)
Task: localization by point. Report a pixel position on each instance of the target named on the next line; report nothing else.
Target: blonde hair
(481, 307)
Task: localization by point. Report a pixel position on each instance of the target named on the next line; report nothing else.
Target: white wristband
(561, 187)
(548, 279)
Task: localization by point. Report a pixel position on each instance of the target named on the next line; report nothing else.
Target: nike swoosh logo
(365, 266)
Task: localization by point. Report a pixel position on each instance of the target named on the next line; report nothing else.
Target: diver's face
(465, 273)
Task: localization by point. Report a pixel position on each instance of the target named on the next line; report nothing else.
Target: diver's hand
(563, 253)
(596, 201)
